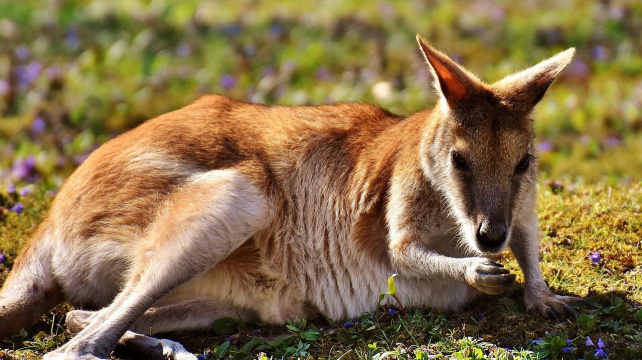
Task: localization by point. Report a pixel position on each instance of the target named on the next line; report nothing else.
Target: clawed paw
(555, 307)
(489, 277)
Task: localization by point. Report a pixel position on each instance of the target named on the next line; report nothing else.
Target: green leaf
(310, 334)
(225, 326)
(392, 290)
(281, 340)
(391, 285)
(221, 349)
(587, 323)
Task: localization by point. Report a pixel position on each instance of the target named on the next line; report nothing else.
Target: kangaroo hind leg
(202, 222)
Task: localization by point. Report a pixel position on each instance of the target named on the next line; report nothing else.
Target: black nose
(491, 235)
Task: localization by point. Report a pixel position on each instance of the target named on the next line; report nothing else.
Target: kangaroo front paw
(489, 277)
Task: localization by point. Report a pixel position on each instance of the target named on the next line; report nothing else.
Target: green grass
(75, 73)
(575, 221)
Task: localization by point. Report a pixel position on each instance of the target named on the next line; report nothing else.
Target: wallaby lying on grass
(224, 208)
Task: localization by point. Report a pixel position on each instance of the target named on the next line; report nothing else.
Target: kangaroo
(224, 208)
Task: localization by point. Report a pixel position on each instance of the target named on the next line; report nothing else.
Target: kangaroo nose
(491, 235)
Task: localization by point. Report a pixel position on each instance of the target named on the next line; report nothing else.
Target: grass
(75, 73)
(575, 222)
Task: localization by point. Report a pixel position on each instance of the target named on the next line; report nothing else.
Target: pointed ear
(529, 86)
(452, 81)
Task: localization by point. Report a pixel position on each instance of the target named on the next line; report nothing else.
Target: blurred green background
(75, 73)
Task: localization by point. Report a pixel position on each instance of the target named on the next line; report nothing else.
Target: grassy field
(73, 74)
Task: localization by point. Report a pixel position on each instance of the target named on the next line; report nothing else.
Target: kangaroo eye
(523, 164)
(458, 161)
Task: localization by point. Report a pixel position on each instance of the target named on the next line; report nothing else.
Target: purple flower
(612, 141)
(71, 37)
(5, 87)
(25, 191)
(27, 74)
(38, 124)
(228, 82)
(201, 357)
(600, 343)
(276, 31)
(579, 69)
(348, 324)
(11, 189)
(598, 52)
(24, 169)
(257, 331)
(22, 52)
(392, 311)
(184, 50)
(595, 258)
(568, 342)
(567, 349)
(79, 159)
(17, 208)
(599, 353)
(2, 258)
(323, 73)
(545, 146)
(480, 315)
(589, 342)
(52, 73)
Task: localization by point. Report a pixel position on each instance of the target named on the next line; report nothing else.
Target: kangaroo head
(480, 151)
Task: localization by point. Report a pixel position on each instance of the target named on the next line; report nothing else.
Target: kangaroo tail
(30, 289)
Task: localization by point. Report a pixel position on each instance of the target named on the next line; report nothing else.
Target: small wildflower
(5, 87)
(79, 159)
(257, 331)
(11, 189)
(600, 343)
(545, 146)
(25, 191)
(71, 37)
(567, 349)
(595, 256)
(480, 315)
(17, 208)
(538, 341)
(568, 342)
(589, 342)
(228, 82)
(201, 357)
(25, 169)
(22, 52)
(348, 324)
(2, 258)
(184, 50)
(599, 353)
(38, 124)
(392, 311)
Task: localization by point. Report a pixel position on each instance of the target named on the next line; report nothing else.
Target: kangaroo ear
(452, 81)
(529, 86)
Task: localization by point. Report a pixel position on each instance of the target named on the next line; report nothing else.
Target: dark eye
(458, 161)
(523, 164)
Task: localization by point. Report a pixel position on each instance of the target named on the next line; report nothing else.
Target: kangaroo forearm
(525, 249)
(414, 260)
